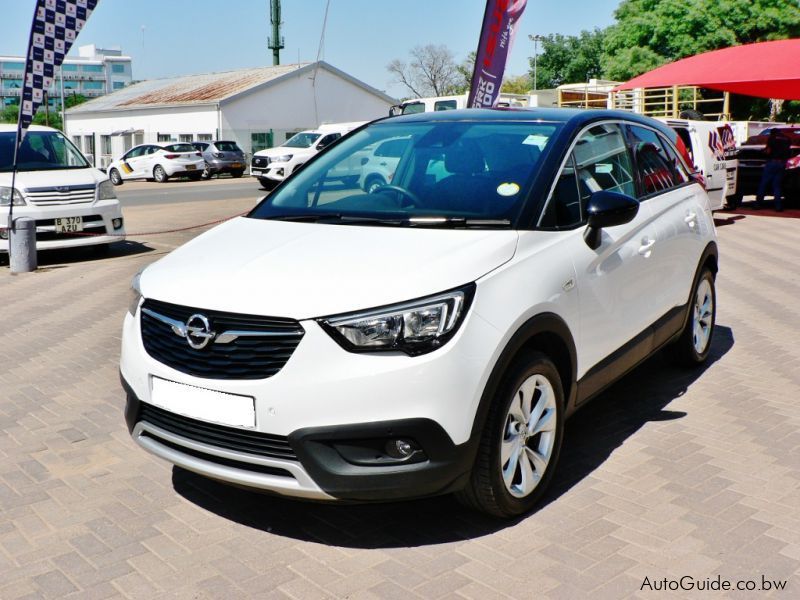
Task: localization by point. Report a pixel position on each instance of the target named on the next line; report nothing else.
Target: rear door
(676, 204)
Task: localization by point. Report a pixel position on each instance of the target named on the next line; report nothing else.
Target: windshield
(301, 140)
(40, 151)
(227, 147)
(426, 174)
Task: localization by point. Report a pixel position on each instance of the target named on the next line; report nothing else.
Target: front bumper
(176, 168)
(97, 216)
(276, 172)
(333, 408)
(225, 166)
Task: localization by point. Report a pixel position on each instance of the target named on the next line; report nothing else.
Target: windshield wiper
(433, 221)
(455, 222)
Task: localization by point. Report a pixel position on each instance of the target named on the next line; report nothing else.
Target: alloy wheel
(702, 316)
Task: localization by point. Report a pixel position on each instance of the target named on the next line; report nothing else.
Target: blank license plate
(190, 167)
(69, 224)
(236, 165)
(203, 404)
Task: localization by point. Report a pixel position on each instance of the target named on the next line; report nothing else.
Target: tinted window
(657, 169)
(227, 147)
(301, 140)
(328, 139)
(413, 108)
(138, 151)
(445, 105)
(392, 148)
(40, 151)
(180, 148)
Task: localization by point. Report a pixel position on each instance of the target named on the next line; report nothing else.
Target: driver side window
(599, 161)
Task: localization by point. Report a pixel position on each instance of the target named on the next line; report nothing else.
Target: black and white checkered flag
(56, 24)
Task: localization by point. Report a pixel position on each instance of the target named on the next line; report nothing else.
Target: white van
(73, 203)
(437, 103)
(273, 165)
(711, 146)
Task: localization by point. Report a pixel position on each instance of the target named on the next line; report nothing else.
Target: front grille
(68, 194)
(247, 357)
(260, 161)
(219, 436)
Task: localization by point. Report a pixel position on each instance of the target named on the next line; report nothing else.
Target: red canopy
(766, 70)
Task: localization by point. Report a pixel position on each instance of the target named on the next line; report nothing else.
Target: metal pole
(535, 62)
(63, 109)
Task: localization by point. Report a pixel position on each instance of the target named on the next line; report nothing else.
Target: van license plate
(69, 224)
(203, 404)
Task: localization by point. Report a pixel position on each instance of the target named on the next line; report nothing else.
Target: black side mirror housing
(607, 209)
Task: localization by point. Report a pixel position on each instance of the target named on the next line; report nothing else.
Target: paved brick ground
(670, 473)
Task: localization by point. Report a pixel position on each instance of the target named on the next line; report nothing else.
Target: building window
(105, 144)
(185, 137)
(93, 85)
(14, 66)
(118, 85)
(12, 84)
(164, 137)
(70, 85)
(88, 144)
(117, 68)
(204, 137)
(92, 68)
(260, 141)
(69, 67)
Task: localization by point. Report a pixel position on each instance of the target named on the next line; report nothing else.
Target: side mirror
(396, 110)
(607, 209)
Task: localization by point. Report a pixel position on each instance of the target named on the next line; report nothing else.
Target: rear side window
(445, 105)
(599, 161)
(657, 165)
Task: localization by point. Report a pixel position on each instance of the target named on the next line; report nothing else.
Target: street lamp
(536, 38)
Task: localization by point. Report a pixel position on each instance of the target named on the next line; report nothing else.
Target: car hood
(306, 270)
(66, 177)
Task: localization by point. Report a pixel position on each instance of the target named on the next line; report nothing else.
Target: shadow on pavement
(52, 258)
(591, 437)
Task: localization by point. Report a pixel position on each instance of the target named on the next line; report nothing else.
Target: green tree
(568, 59)
(648, 33)
(519, 84)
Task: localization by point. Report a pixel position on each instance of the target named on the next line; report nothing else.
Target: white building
(258, 108)
(94, 72)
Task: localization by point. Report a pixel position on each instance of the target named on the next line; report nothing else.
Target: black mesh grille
(260, 161)
(244, 358)
(219, 436)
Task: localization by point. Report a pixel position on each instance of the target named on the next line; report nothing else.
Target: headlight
(284, 158)
(5, 197)
(105, 191)
(136, 294)
(415, 327)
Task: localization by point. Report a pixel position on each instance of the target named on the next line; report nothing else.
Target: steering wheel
(415, 201)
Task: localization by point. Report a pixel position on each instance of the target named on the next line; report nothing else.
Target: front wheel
(115, 177)
(520, 445)
(159, 174)
(694, 344)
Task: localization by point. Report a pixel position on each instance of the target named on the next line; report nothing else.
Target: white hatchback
(157, 162)
(432, 334)
(72, 203)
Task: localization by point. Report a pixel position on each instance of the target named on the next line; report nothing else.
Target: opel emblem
(198, 332)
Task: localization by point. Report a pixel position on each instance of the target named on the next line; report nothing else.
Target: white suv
(431, 336)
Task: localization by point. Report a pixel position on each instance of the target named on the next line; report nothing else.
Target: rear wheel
(372, 183)
(694, 344)
(521, 441)
(115, 177)
(159, 174)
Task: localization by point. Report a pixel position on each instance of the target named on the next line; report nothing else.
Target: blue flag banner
(56, 24)
(497, 35)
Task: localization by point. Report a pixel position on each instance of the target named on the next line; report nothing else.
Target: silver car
(221, 157)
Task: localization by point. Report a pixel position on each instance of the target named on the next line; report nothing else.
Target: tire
(206, 174)
(195, 176)
(159, 174)
(694, 344)
(267, 184)
(115, 177)
(373, 182)
(734, 201)
(532, 380)
(237, 174)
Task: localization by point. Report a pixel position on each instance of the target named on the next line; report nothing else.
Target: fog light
(3, 233)
(117, 223)
(401, 449)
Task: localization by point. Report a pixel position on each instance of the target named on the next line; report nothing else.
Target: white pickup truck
(273, 165)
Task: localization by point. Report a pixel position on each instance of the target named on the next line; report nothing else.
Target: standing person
(778, 151)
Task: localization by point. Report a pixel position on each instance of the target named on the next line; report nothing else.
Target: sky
(182, 37)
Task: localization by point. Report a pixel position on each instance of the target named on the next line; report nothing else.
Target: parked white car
(273, 165)
(434, 335)
(377, 166)
(73, 203)
(158, 162)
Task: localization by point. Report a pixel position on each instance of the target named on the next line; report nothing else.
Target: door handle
(690, 219)
(647, 246)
